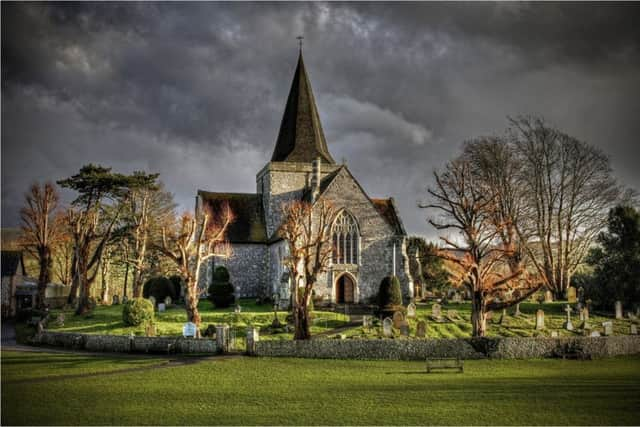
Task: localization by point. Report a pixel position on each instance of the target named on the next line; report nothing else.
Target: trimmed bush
(178, 284)
(137, 311)
(159, 288)
(389, 295)
(221, 290)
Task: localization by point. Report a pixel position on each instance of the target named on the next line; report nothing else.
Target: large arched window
(346, 239)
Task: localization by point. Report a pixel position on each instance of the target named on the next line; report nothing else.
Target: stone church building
(369, 240)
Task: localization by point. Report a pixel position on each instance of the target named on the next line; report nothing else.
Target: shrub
(221, 291)
(389, 295)
(137, 311)
(159, 288)
(178, 284)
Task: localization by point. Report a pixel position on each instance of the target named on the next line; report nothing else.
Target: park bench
(444, 364)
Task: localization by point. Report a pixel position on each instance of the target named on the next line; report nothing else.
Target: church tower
(300, 158)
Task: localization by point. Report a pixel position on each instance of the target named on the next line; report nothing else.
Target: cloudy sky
(196, 91)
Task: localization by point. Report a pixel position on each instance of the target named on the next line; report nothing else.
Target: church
(369, 239)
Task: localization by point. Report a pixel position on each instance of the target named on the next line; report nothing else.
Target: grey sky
(196, 91)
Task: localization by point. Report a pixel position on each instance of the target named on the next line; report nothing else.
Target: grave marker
(404, 328)
(567, 324)
(436, 311)
(571, 295)
(168, 301)
(411, 311)
(161, 307)
(633, 329)
(421, 330)
(548, 297)
(387, 330)
(539, 320)
(595, 334)
(398, 318)
(115, 300)
(618, 308)
(608, 328)
(189, 330)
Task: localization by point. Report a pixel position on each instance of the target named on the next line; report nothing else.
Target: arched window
(346, 239)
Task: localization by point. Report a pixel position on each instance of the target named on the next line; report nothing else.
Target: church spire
(301, 138)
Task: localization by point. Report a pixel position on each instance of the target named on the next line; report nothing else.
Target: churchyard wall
(125, 344)
(470, 348)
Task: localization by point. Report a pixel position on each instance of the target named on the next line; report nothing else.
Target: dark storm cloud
(196, 91)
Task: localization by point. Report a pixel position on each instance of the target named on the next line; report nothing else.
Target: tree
(466, 206)
(306, 228)
(91, 220)
(616, 263)
(63, 251)
(431, 272)
(569, 189)
(192, 240)
(40, 231)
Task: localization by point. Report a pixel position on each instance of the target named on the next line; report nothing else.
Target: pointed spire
(301, 138)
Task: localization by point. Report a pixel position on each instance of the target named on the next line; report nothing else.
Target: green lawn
(266, 391)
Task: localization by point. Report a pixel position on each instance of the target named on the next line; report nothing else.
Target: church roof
(10, 262)
(387, 209)
(248, 226)
(301, 138)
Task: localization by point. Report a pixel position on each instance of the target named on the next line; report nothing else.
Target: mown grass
(262, 391)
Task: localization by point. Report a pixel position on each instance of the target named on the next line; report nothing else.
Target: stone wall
(247, 268)
(471, 348)
(125, 344)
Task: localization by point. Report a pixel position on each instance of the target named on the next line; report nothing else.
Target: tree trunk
(126, 278)
(191, 301)
(302, 323)
(478, 315)
(84, 305)
(104, 292)
(137, 282)
(44, 276)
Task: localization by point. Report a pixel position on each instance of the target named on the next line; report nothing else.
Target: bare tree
(63, 251)
(466, 206)
(191, 241)
(105, 268)
(570, 189)
(307, 230)
(40, 231)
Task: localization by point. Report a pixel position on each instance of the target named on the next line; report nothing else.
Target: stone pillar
(618, 308)
(253, 336)
(222, 338)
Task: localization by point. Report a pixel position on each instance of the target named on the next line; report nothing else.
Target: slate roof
(10, 262)
(301, 138)
(248, 226)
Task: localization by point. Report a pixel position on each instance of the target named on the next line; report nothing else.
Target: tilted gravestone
(387, 329)
(539, 320)
(436, 311)
(571, 295)
(421, 329)
(411, 311)
(398, 318)
(618, 308)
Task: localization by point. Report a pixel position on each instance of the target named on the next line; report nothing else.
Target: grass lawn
(266, 391)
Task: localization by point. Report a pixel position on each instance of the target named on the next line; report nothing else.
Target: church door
(345, 290)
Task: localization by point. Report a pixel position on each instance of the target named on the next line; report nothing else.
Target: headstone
(517, 312)
(421, 329)
(608, 328)
(539, 320)
(125, 299)
(404, 328)
(554, 334)
(585, 313)
(398, 318)
(456, 297)
(567, 324)
(237, 309)
(387, 330)
(161, 307)
(633, 329)
(189, 330)
(586, 329)
(366, 321)
(436, 311)
(594, 334)
(222, 338)
(580, 294)
(411, 311)
(253, 336)
(548, 297)
(168, 301)
(571, 295)
(60, 319)
(618, 308)
(631, 316)
(152, 300)
(582, 315)
(115, 300)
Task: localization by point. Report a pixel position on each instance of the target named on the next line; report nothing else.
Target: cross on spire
(300, 38)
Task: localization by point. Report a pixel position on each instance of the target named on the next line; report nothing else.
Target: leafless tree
(307, 230)
(40, 231)
(569, 190)
(191, 241)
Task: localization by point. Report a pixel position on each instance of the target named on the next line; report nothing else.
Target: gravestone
(168, 301)
(539, 320)
(554, 334)
(436, 311)
(618, 308)
(189, 330)
(421, 329)
(633, 329)
(366, 321)
(222, 337)
(404, 328)
(567, 324)
(411, 311)
(608, 328)
(594, 334)
(387, 329)
(580, 294)
(152, 300)
(161, 307)
(115, 300)
(60, 319)
(548, 297)
(582, 315)
(253, 336)
(398, 318)
(631, 316)
(517, 312)
(571, 295)
(237, 309)
(453, 315)
(586, 329)
(125, 299)
(585, 313)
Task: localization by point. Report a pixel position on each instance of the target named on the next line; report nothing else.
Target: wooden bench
(444, 364)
